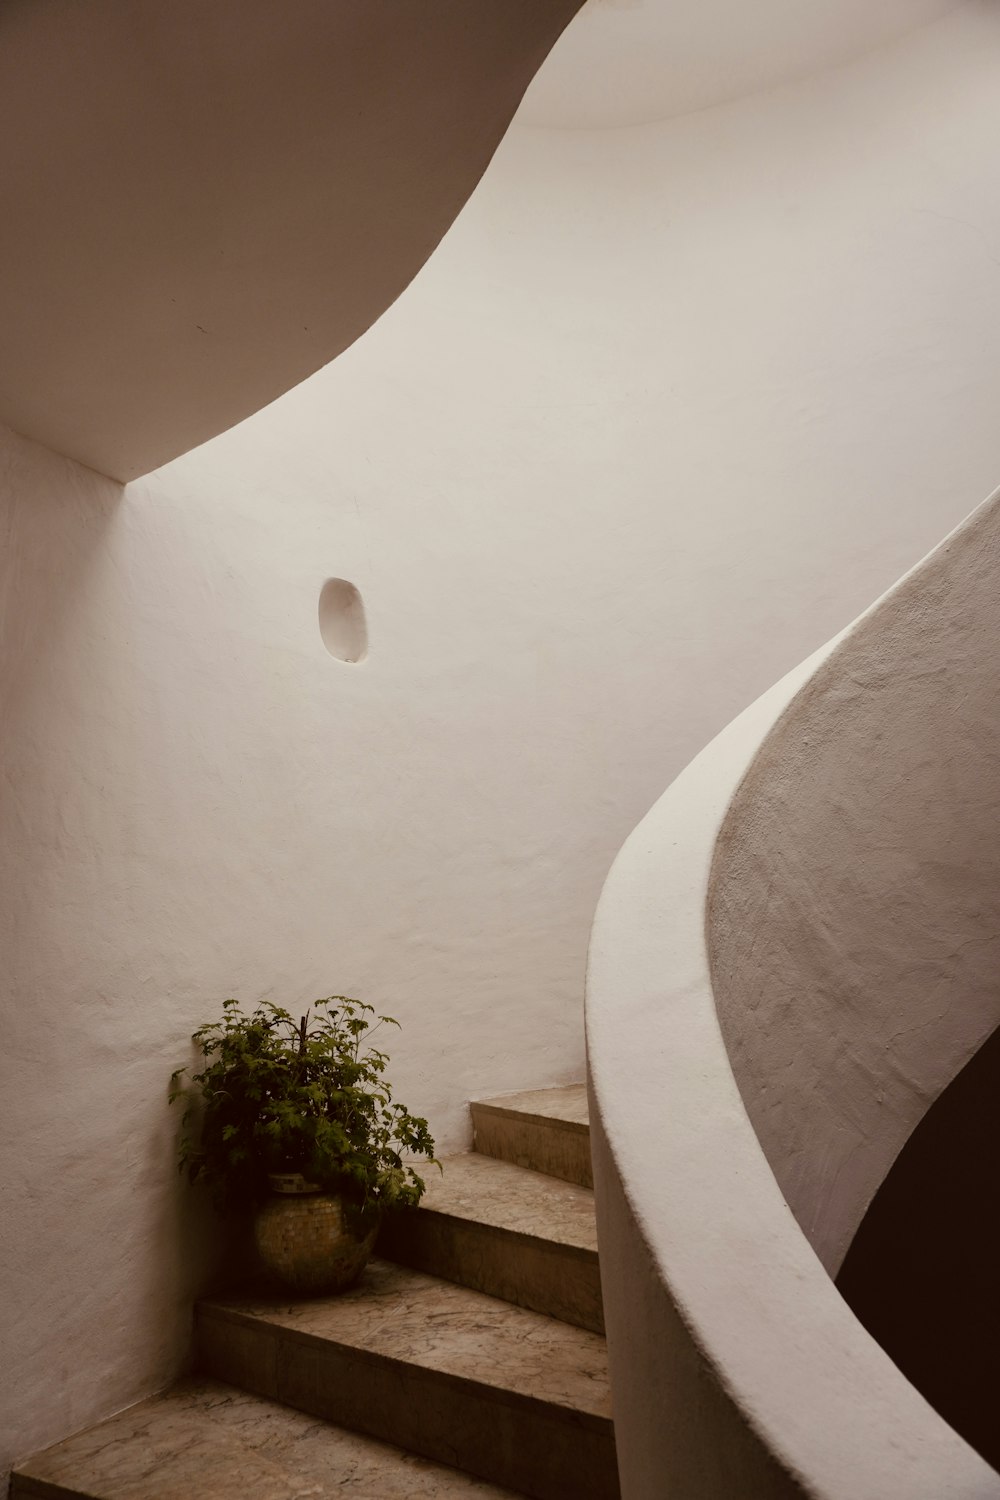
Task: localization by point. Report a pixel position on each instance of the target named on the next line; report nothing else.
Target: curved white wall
(852, 920)
(737, 1368)
(625, 63)
(664, 409)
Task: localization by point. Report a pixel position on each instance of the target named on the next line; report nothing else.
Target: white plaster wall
(737, 1367)
(624, 63)
(98, 1252)
(853, 914)
(667, 407)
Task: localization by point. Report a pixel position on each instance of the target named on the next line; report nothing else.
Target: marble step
(509, 1395)
(207, 1440)
(547, 1130)
(502, 1229)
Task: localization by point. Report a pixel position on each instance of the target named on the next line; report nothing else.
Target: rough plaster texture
(853, 917)
(664, 409)
(677, 1432)
(737, 1367)
(100, 1254)
(743, 368)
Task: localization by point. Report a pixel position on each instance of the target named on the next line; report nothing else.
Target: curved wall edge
(685, 1190)
(852, 897)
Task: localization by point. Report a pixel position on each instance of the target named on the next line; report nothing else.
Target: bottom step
(205, 1439)
(517, 1398)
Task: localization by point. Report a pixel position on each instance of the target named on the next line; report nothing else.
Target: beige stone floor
(419, 1321)
(203, 1438)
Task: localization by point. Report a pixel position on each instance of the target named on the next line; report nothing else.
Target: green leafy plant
(309, 1096)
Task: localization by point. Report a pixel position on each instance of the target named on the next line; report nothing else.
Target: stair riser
(35, 1489)
(543, 1450)
(559, 1280)
(549, 1146)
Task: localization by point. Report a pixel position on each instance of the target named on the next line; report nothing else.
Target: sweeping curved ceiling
(205, 201)
(626, 62)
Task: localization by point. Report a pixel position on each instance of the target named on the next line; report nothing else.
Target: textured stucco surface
(736, 1365)
(855, 922)
(676, 1428)
(666, 407)
(100, 1253)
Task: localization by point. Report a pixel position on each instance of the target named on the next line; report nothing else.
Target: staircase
(468, 1362)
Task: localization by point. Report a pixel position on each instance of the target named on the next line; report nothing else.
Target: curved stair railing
(793, 955)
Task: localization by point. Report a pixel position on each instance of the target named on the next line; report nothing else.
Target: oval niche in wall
(342, 621)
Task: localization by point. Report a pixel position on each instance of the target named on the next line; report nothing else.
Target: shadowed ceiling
(207, 200)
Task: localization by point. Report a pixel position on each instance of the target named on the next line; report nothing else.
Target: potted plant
(295, 1121)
